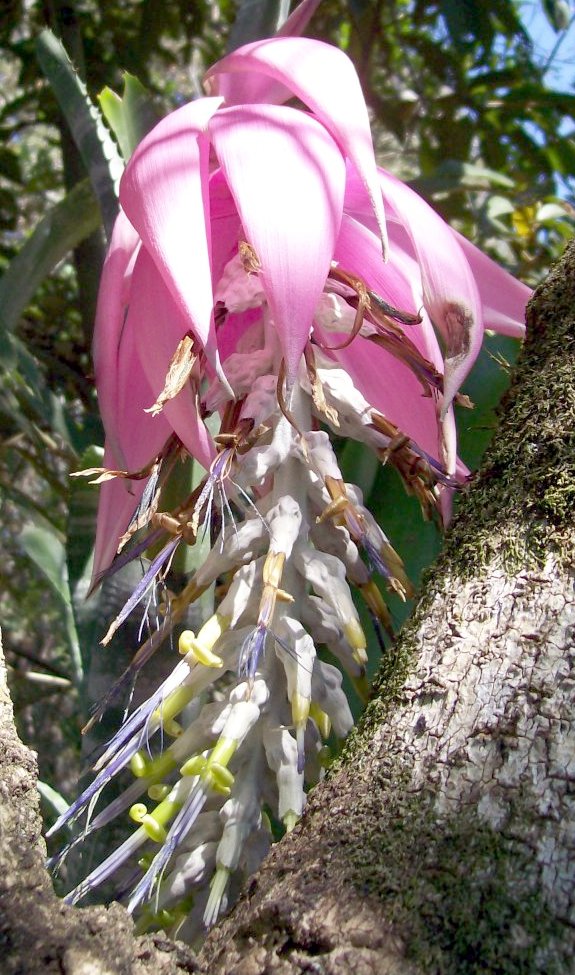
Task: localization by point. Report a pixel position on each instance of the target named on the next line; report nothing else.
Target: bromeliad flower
(264, 271)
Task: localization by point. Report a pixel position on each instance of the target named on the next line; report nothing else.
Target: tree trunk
(443, 842)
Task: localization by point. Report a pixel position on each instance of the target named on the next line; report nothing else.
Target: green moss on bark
(466, 899)
(523, 501)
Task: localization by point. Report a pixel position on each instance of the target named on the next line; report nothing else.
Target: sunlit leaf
(498, 206)
(95, 144)
(47, 551)
(130, 116)
(554, 211)
(55, 802)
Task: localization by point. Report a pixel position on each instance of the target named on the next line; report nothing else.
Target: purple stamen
(128, 555)
(144, 585)
(251, 651)
(107, 867)
(374, 558)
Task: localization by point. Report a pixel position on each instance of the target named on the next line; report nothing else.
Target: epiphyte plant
(265, 273)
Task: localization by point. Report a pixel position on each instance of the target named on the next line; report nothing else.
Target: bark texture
(444, 842)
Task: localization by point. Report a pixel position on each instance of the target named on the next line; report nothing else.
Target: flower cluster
(264, 271)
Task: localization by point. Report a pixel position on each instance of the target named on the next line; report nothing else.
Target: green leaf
(25, 398)
(82, 510)
(25, 503)
(69, 222)
(131, 116)
(359, 465)
(467, 22)
(89, 614)
(456, 175)
(54, 801)
(474, 21)
(95, 144)
(46, 550)
(529, 97)
(8, 210)
(416, 541)
(561, 155)
(485, 386)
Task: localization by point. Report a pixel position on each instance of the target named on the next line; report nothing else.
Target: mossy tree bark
(444, 842)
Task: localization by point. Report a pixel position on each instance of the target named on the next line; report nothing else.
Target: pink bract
(302, 189)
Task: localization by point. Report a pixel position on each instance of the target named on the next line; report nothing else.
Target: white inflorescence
(265, 702)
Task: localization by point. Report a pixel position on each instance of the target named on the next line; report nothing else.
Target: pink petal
(234, 328)
(117, 501)
(225, 224)
(110, 317)
(140, 438)
(299, 18)
(261, 89)
(387, 383)
(287, 177)
(503, 297)
(158, 324)
(391, 387)
(164, 192)
(141, 435)
(450, 293)
(324, 78)
(398, 282)
(357, 251)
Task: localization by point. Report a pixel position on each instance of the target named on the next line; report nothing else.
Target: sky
(561, 74)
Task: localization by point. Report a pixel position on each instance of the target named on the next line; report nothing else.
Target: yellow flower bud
(218, 777)
(158, 792)
(137, 812)
(154, 829)
(194, 765)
